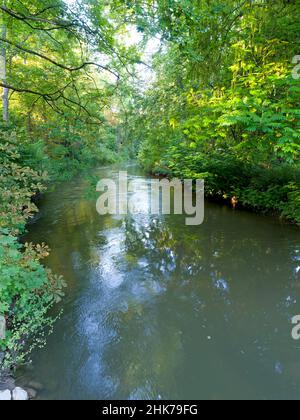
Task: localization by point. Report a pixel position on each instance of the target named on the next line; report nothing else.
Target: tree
(52, 41)
(3, 69)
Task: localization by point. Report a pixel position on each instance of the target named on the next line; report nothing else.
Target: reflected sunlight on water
(156, 309)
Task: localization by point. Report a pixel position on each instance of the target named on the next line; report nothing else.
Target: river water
(156, 309)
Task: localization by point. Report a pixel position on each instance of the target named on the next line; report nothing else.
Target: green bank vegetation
(225, 102)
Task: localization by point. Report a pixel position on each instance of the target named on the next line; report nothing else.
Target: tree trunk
(3, 70)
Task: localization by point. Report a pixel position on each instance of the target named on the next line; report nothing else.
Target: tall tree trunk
(3, 70)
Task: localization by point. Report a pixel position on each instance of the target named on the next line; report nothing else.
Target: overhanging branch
(50, 60)
(56, 24)
(52, 98)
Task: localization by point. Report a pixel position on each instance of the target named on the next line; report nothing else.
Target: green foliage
(18, 184)
(224, 105)
(273, 190)
(27, 289)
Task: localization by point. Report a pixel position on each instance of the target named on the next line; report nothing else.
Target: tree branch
(24, 90)
(51, 98)
(40, 12)
(62, 66)
(57, 24)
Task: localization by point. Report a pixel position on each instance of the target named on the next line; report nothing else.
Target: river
(155, 309)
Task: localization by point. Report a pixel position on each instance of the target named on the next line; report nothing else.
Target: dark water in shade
(158, 310)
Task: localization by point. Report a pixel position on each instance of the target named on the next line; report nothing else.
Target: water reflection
(156, 309)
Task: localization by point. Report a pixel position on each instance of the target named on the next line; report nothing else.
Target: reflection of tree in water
(194, 308)
(213, 283)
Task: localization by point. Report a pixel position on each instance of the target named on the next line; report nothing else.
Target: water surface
(158, 310)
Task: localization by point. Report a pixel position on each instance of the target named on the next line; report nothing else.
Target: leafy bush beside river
(27, 289)
(274, 190)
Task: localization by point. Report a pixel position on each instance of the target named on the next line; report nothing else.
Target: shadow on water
(159, 310)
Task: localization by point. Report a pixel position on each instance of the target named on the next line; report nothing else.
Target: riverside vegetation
(225, 102)
(223, 106)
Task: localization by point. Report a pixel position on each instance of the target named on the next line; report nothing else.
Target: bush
(275, 189)
(27, 289)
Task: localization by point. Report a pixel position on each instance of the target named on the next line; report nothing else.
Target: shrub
(27, 289)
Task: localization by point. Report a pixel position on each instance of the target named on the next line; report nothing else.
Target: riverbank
(274, 190)
(28, 289)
